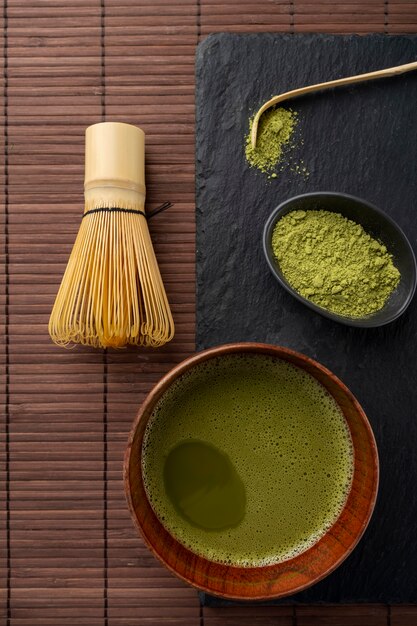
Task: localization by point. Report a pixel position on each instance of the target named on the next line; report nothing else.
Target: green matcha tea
(247, 460)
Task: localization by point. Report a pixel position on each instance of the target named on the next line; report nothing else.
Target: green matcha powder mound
(334, 263)
(275, 129)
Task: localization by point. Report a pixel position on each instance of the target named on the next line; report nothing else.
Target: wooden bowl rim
(257, 348)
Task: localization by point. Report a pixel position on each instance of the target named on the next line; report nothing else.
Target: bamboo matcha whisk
(112, 293)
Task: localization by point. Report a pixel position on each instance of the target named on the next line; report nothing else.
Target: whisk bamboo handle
(390, 71)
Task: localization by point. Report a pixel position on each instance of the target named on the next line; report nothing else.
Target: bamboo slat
(403, 615)
(249, 616)
(372, 615)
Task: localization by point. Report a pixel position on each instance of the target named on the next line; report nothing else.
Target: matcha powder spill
(275, 130)
(334, 263)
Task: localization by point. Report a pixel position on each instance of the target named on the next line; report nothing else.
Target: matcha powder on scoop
(333, 262)
(275, 131)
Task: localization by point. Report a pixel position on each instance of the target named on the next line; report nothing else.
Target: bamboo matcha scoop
(390, 71)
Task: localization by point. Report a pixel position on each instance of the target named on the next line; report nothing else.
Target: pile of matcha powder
(275, 131)
(333, 262)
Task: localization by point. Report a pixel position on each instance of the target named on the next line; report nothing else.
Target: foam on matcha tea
(247, 460)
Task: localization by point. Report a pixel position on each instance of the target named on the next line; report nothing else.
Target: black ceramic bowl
(378, 225)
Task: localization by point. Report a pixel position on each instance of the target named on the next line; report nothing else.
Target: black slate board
(361, 141)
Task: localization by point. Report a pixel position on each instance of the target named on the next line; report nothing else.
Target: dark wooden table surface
(69, 554)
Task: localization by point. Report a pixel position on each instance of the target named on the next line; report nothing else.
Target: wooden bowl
(293, 575)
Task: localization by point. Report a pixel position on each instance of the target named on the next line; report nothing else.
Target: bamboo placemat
(69, 554)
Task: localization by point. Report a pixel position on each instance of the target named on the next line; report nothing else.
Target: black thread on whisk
(159, 209)
(113, 209)
(116, 209)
